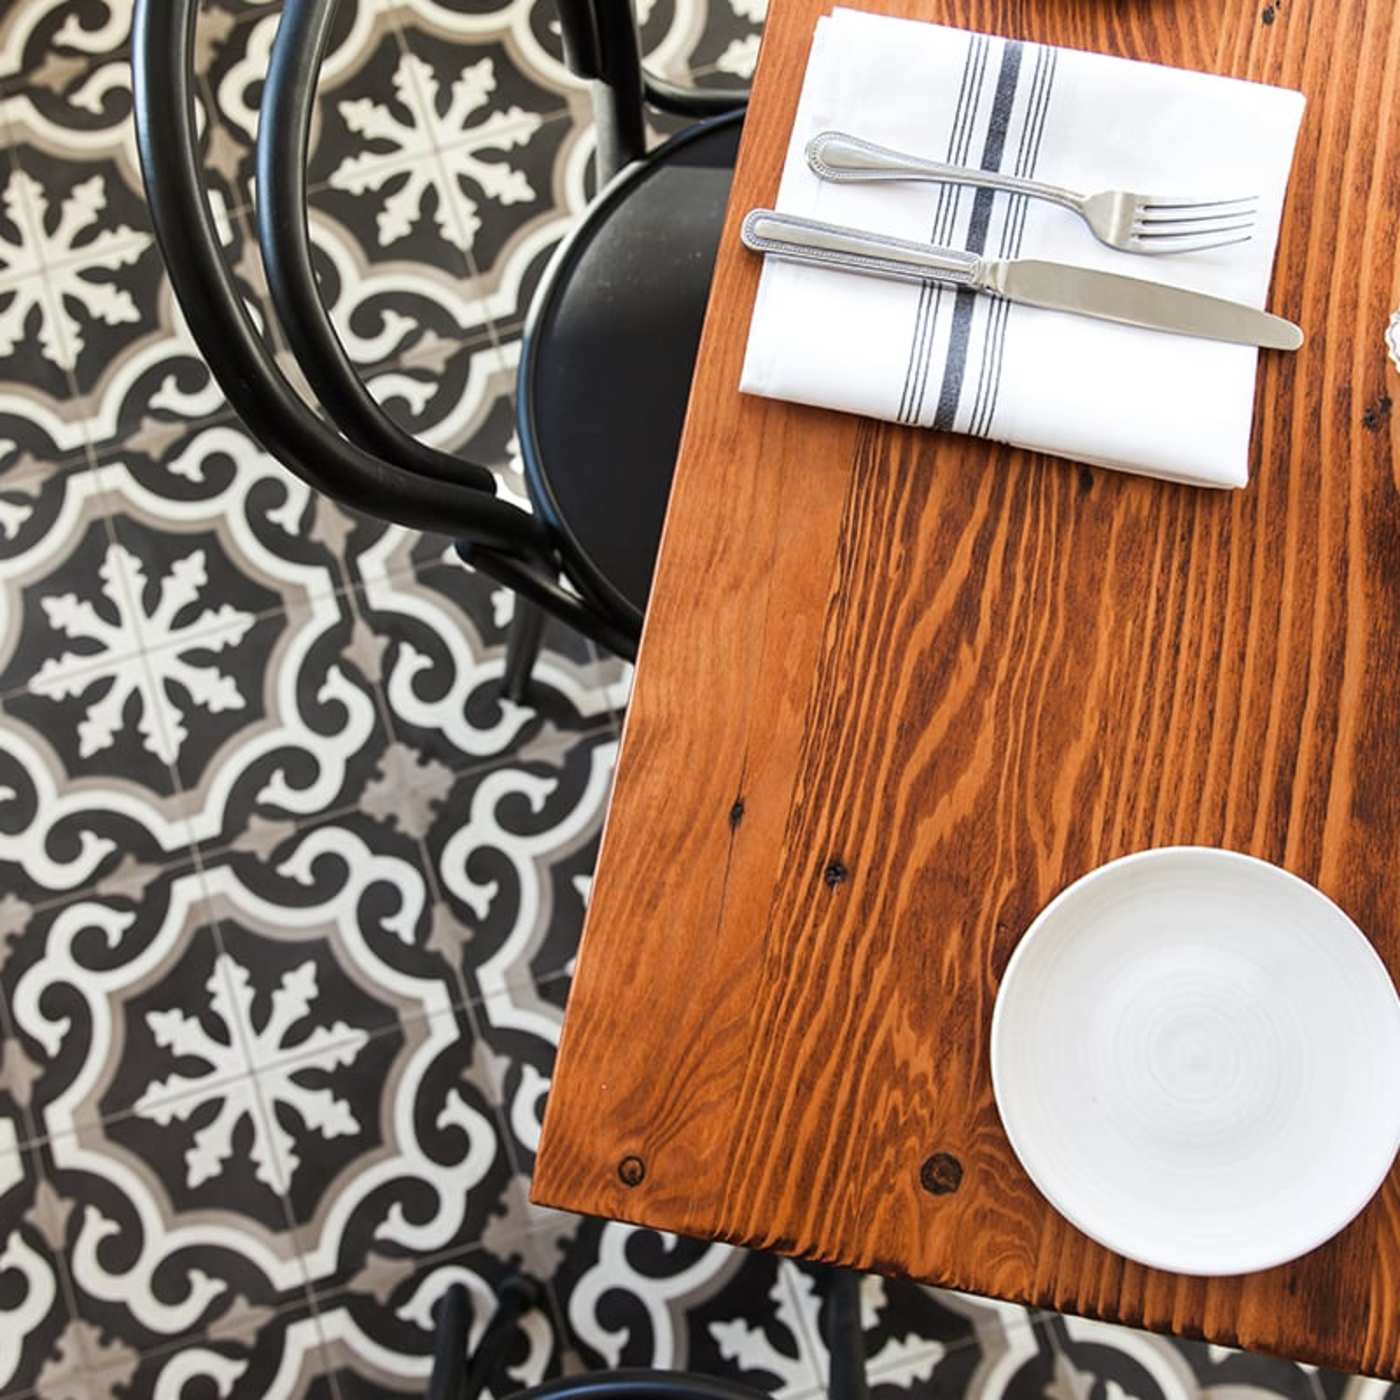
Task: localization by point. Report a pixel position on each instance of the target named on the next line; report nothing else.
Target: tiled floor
(288, 895)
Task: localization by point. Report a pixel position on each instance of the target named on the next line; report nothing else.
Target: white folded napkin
(1137, 400)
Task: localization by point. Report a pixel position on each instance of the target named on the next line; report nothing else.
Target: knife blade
(1081, 291)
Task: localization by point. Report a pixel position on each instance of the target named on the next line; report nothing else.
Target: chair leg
(522, 648)
(449, 1346)
(456, 1376)
(845, 1339)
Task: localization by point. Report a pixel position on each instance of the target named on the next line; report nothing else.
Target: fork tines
(1193, 225)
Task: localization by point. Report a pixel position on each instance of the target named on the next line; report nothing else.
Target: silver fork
(1132, 223)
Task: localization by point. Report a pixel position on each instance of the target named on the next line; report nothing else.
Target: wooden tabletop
(898, 688)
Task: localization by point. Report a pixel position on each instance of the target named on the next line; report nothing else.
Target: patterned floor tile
(1095, 1359)
(520, 1027)
(53, 556)
(669, 30)
(911, 1332)
(444, 633)
(633, 1297)
(83, 749)
(253, 1354)
(32, 440)
(44, 36)
(514, 849)
(69, 821)
(237, 44)
(727, 50)
(1335, 1385)
(180, 1211)
(411, 1168)
(41, 419)
(397, 212)
(35, 1321)
(403, 301)
(29, 318)
(165, 1244)
(495, 128)
(510, 256)
(75, 212)
(455, 395)
(100, 350)
(207, 490)
(97, 991)
(525, 74)
(1015, 1363)
(284, 722)
(233, 596)
(380, 1328)
(341, 913)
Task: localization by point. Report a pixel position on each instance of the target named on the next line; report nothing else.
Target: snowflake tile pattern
(235, 43)
(289, 894)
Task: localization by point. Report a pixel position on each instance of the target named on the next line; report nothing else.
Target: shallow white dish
(1196, 1056)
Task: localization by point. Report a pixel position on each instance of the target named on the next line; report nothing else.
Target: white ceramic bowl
(1196, 1056)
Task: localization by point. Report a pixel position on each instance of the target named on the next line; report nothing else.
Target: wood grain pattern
(968, 675)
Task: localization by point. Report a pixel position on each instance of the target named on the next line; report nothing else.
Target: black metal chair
(609, 346)
(459, 1376)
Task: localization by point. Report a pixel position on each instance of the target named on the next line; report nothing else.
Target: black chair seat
(609, 350)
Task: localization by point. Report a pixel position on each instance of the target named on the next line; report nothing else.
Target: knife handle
(852, 250)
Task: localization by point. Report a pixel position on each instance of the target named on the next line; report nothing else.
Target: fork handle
(846, 159)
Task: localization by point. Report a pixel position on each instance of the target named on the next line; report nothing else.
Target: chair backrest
(601, 45)
(375, 467)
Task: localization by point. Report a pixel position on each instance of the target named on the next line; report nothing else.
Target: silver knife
(1082, 291)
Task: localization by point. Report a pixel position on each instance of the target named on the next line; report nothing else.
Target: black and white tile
(289, 892)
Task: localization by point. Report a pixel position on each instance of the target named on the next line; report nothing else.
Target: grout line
(420, 1261)
(211, 1333)
(248, 1075)
(61, 461)
(266, 1109)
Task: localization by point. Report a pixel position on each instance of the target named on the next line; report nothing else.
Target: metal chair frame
(371, 464)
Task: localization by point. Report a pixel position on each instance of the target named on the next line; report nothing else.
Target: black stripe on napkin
(1032, 132)
(993, 147)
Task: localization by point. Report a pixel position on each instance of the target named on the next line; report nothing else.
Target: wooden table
(898, 688)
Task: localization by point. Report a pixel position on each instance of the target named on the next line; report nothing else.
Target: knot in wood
(631, 1171)
(1374, 419)
(835, 873)
(941, 1175)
